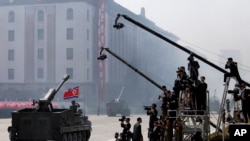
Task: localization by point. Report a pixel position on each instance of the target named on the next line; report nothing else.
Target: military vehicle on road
(117, 106)
(43, 122)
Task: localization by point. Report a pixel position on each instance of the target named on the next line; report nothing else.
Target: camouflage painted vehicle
(43, 123)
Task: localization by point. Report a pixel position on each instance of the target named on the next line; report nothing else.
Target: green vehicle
(43, 122)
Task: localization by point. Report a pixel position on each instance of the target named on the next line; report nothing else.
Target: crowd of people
(189, 93)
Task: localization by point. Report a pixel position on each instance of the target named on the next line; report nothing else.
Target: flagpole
(83, 104)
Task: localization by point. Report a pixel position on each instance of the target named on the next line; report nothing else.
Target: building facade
(41, 40)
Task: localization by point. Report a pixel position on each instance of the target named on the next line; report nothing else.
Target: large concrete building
(41, 40)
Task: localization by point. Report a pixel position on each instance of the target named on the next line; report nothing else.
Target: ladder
(223, 101)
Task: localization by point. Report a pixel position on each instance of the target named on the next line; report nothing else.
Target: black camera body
(235, 91)
(102, 57)
(122, 119)
(147, 108)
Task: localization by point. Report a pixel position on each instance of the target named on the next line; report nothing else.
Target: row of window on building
(40, 73)
(40, 54)
(41, 36)
(40, 15)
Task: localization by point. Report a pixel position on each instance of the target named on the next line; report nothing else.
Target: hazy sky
(207, 25)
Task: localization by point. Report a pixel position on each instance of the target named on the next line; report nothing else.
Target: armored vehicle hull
(120, 107)
(59, 125)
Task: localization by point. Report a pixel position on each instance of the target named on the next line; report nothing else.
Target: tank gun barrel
(44, 104)
(52, 92)
(171, 42)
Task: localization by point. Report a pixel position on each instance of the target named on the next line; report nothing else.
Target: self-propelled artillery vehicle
(43, 122)
(118, 106)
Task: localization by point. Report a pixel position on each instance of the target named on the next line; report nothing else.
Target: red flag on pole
(71, 93)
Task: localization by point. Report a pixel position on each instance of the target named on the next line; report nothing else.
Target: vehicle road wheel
(84, 136)
(70, 138)
(79, 136)
(64, 137)
(75, 137)
(88, 134)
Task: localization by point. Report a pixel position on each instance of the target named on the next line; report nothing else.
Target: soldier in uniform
(74, 106)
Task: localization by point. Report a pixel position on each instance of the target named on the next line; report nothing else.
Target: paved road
(103, 127)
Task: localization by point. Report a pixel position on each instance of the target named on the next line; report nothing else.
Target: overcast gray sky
(208, 25)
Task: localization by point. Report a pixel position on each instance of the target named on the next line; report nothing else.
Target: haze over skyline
(207, 26)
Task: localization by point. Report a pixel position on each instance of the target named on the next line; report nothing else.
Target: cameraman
(126, 134)
(233, 70)
(152, 112)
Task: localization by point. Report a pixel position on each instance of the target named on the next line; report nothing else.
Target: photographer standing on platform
(233, 70)
(193, 67)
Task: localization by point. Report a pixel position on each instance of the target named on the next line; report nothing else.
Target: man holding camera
(152, 112)
(233, 70)
(126, 134)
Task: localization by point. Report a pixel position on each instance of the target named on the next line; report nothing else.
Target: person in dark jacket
(233, 70)
(156, 132)
(137, 133)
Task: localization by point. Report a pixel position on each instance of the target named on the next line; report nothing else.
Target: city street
(103, 127)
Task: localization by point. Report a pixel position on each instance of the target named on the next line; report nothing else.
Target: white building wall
(18, 44)
(80, 44)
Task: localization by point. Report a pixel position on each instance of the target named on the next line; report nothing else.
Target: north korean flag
(71, 93)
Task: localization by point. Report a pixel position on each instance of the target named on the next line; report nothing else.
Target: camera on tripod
(122, 119)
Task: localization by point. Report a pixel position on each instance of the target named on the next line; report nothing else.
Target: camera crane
(119, 25)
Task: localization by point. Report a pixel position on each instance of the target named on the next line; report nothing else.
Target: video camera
(102, 57)
(147, 107)
(235, 91)
(122, 119)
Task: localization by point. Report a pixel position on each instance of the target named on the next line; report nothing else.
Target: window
(11, 16)
(40, 16)
(69, 54)
(70, 14)
(11, 74)
(11, 55)
(69, 71)
(40, 73)
(40, 34)
(88, 54)
(87, 15)
(11, 35)
(87, 73)
(87, 34)
(40, 54)
(70, 34)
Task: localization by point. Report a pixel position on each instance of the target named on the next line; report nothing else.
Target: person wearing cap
(233, 70)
